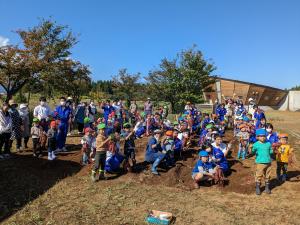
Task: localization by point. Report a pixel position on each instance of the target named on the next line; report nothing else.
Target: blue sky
(256, 41)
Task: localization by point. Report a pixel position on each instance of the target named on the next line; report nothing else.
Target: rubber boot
(101, 175)
(154, 165)
(257, 188)
(283, 178)
(93, 176)
(267, 188)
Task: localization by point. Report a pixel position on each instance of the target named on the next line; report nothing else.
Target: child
(129, 147)
(36, 132)
(52, 137)
(168, 148)
(243, 148)
(263, 151)
(203, 170)
(282, 157)
(100, 156)
(88, 142)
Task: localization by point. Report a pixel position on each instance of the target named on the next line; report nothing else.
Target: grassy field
(35, 191)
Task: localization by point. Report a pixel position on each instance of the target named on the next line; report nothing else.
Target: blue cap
(261, 132)
(246, 119)
(203, 154)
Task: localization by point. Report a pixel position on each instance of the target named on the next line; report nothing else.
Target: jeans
(242, 153)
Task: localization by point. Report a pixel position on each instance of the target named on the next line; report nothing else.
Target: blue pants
(62, 135)
(154, 158)
(242, 153)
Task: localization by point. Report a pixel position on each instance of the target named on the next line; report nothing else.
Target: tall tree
(126, 85)
(14, 69)
(43, 46)
(181, 79)
(71, 78)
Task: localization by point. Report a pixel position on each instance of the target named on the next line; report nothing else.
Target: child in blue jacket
(203, 170)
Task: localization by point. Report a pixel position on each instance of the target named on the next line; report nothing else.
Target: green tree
(126, 85)
(70, 78)
(43, 47)
(181, 79)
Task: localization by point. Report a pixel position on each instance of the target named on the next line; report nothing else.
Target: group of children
(101, 143)
(255, 137)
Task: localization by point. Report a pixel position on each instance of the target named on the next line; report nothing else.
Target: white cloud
(3, 41)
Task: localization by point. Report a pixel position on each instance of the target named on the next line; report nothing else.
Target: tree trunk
(172, 107)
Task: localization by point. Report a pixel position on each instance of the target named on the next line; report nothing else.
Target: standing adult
(16, 133)
(42, 112)
(24, 114)
(79, 117)
(107, 109)
(63, 112)
(148, 106)
(92, 111)
(5, 130)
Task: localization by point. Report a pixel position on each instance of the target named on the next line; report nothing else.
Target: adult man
(42, 112)
(63, 113)
(148, 107)
(153, 151)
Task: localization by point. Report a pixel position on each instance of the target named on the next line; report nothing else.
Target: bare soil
(36, 191)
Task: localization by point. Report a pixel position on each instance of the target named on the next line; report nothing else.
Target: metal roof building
(262, 94)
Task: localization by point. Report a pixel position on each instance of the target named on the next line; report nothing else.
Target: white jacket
(5, 123)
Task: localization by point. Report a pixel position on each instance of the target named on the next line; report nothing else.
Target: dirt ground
(35, 191)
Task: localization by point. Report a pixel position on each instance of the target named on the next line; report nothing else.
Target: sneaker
(283, 178)
(50, 156)
(6, 156)
(64, 149)
(101, 176)
(57, 150)
(53, 155)
(154, 172)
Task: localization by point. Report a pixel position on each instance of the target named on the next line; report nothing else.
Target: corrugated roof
(244, 82)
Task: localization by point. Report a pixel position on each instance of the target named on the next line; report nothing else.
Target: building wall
(291, 102)
(262, 94)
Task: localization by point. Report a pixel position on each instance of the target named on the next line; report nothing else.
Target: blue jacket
(150, 152)
(108, 109)
(223, 163)
(63, 113)
(177, 145)
(203, 167)
(273, 138)
(221, 112)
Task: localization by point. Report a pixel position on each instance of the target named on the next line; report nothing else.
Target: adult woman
(24, 114)
(5, 130)
(16, 133)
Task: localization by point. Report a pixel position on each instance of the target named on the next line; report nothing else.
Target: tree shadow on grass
(23, 178)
